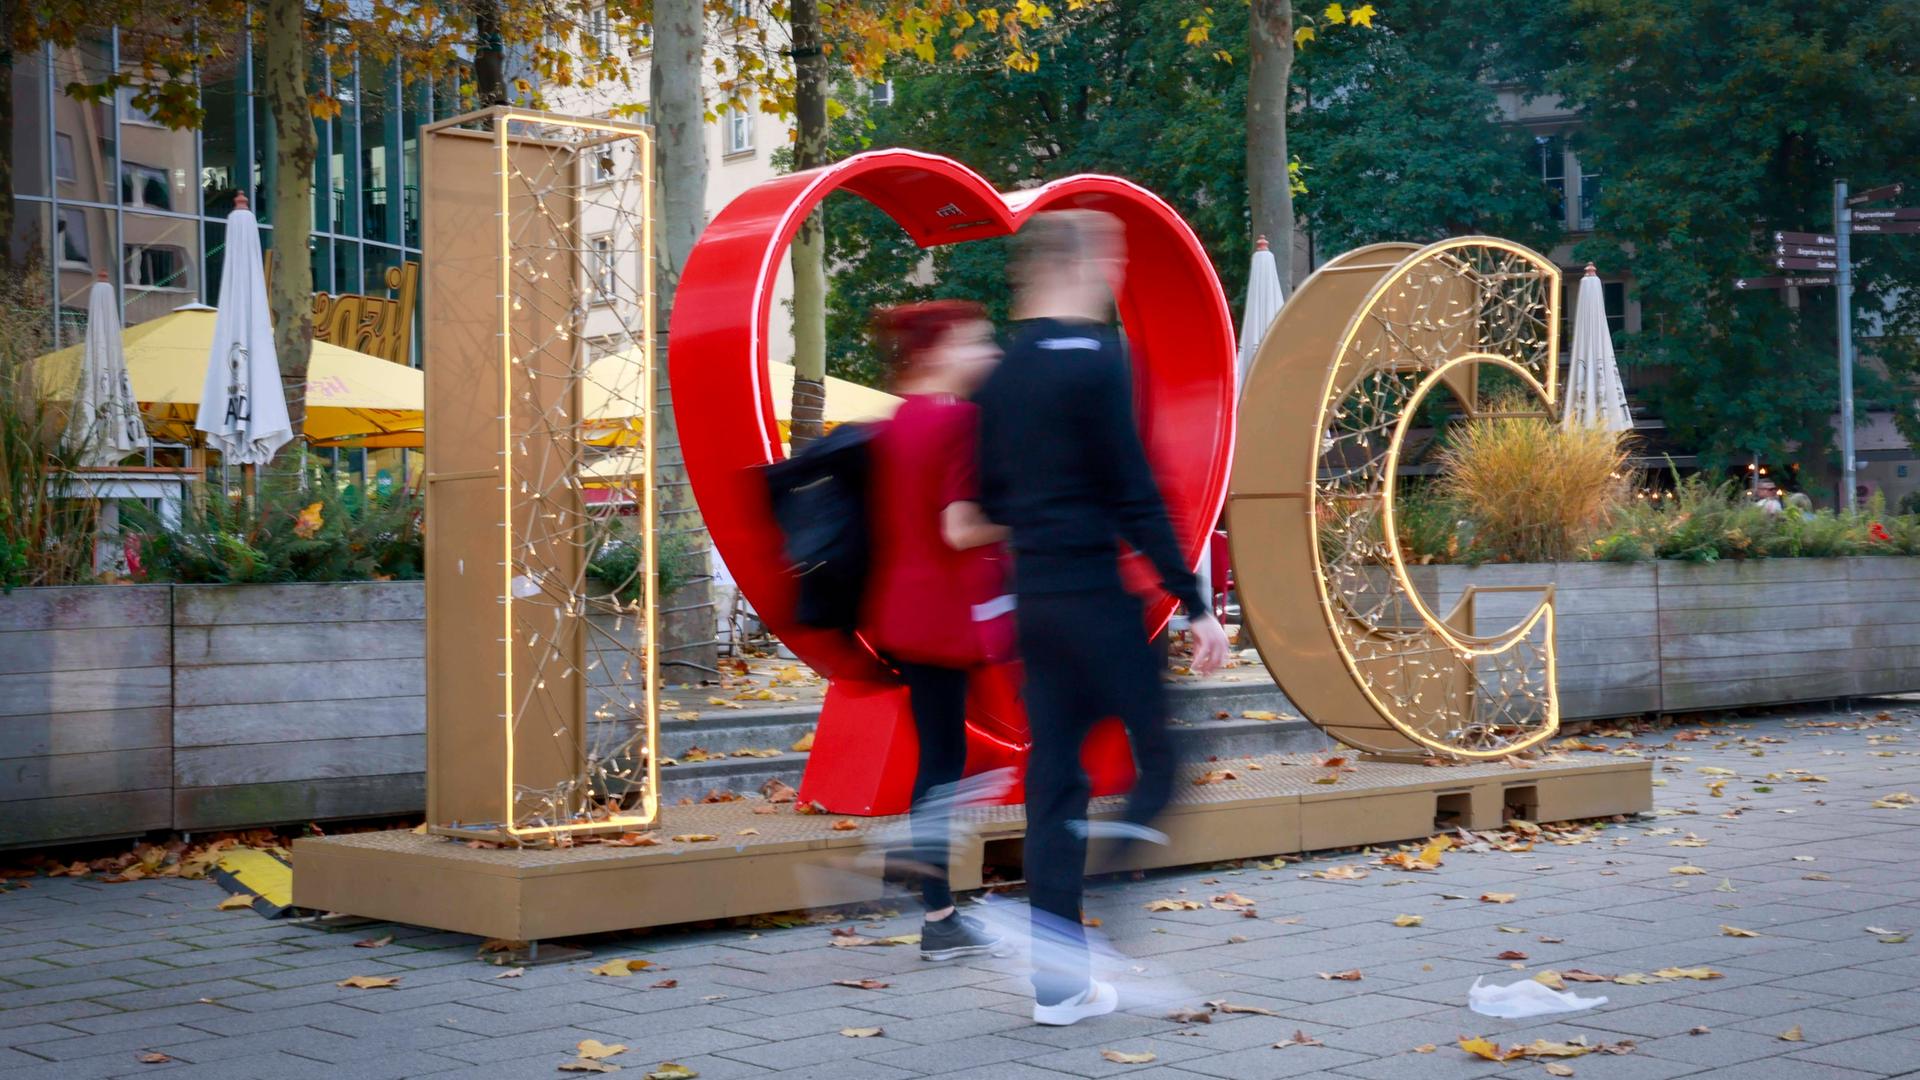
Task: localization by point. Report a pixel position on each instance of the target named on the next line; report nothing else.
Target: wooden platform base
(765, 862)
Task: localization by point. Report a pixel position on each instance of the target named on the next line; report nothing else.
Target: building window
(605, 275)
(600, 30)
(739, 131)
(74, 248)
(1589, 196)
(144, 186)
(600, 165)
(63, 167)
(156, 266)
(881, 93)
(1552, 159)
(742, 9)
(133, 114)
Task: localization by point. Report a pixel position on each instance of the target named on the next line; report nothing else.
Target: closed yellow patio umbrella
(349, 394)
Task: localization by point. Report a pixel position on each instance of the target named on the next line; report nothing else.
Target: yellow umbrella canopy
(612, 400)
(612, 395)
(349, 394)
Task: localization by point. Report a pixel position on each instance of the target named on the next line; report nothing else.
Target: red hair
(905, 331)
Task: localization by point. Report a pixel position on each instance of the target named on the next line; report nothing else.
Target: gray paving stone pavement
(93, 975)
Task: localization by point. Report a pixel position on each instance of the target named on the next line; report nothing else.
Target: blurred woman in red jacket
(936, 573)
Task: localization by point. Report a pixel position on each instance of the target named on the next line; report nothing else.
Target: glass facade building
(102, 187)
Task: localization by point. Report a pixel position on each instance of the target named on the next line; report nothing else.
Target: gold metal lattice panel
(542, 678)
(1369, 659)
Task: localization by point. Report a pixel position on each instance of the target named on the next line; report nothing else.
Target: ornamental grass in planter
(325, 532)
(1532, 490)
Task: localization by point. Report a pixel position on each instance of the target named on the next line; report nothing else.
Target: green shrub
(326, 533)
(616, 552)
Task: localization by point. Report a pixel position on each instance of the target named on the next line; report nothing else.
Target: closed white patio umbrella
(1595, 397)
(1264, 299)
(105, 425)
(243, 409)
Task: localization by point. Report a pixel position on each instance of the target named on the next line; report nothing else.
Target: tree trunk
(809, 245)
(1269, 69)
(687, 625)
(489, 54)
(290, 296)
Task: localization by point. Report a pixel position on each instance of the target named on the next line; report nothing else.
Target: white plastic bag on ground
(1526, 998)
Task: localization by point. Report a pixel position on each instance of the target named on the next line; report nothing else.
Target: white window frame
(63, 228)
(130, 256)
(739, 123)
(604, 268)
(880, 93)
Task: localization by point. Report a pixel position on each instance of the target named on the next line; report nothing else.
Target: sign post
(1844, 285)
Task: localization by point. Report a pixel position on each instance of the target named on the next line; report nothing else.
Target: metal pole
(1842, 221)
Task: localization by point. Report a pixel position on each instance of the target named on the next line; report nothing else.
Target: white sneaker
(1099, 999)
(1116, 830)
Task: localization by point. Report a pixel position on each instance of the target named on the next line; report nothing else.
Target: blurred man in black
(1062, 464)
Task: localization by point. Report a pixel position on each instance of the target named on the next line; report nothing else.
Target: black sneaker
(955, 936)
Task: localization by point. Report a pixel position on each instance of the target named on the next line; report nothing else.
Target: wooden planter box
(126, 709)
(1668, 637)
(298, 702)
(85, 713)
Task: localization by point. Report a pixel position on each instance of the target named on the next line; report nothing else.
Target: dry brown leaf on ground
(765, 752)
(595, 1050)
(862, 1032)
(1546, 1048)
(804, 744)
(235, 902)
(635, 839)
(1701, 1029)
(664, 984)
(1172, 905)
(854, 940)
(1688, 973)
(511, 973)
(1551, 980)
(623, 967)
(1557, 1069)
(1232, 901)
(1511, 929)
(694, 838)
(1123, 1057)
(1426, 1048)
(152, 1057)
(1408, 920)
(1299, 1038)
(845, 825)
(1792, 1034)
(672, 1070)
(369, 982)
(1342, 873)
(1498, 897)
(776, 791)
(586, 1065)
(1490, 1051)
(1734, 931)
(374, 942)
(1576, 975)
(862, 984)
(1230, 1008)
(1685, 871)
(1191, 1016)
(1352, 975)
(1260, 714)
(1214, 776)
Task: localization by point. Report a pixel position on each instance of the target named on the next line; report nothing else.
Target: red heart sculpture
(1181, 339)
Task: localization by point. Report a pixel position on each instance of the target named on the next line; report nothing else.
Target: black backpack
(819, 499)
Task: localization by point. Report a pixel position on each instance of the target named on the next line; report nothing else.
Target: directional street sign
(1888, 191)
(1806, 264)
(1811, 238)
(1802, 251)
(1889, 213)
(1886, 227)
(1779, 282)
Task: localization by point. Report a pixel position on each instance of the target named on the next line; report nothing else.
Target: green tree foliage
(1119, 90)
(1401, 135)
(1715, 122)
